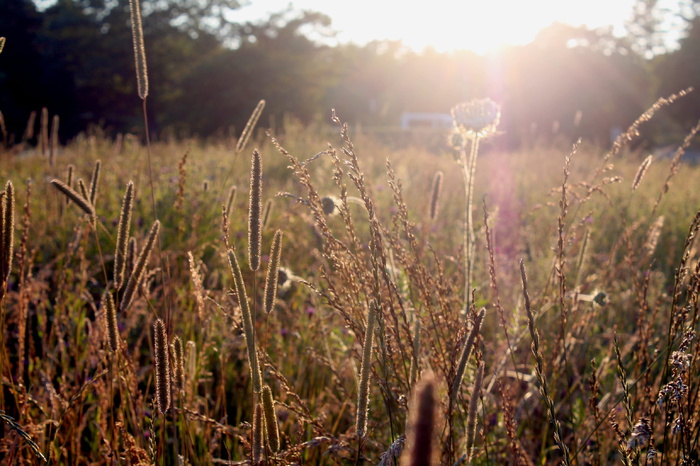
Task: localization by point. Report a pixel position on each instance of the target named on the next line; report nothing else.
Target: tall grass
(588, 358)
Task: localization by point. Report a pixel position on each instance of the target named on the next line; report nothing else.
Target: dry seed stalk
(464, 357)
(8, 228)
(641, 171)
(248, 329)
(53, 149)
(230, 198)
(139, 267)
(94, 182)
(139, 49)
(3, 130)
(197, 285)
(83, 190)
(123, 236)
(266, 213)
(44, 134)
(77, 199)
(435, 195)
(29, 130)
(254, 210)
(2, 43)
(272, 272)
(179, 362)
(111, 322)
(539, 371)
(248, 130)
(473, 404)
(272, 432)
(162, 366)
(363, 396)
(421, 441)
(257, 433)
(131, 254)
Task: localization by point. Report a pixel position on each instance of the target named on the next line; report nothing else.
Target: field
(136, 342)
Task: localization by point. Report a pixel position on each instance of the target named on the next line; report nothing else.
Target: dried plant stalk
(230, 198)
(179, 362)
(123, 236)
(77, 199)
(2, 43)
(363, 395)
(94, 182)
(139, 49)
(250, 126)
(44, 134)
(272, 433)
(53, 149)
(423, 427)
(641, 171)
(258, 434)
(162, 366)
(464, 357)
(266, 213)
(8, 228)
(254, 212)
(248, 329)
(473, 404)
(435, 195)
(272, 272)
(111, 322)
(139, 267)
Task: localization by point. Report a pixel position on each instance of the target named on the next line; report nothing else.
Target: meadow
(141, 324)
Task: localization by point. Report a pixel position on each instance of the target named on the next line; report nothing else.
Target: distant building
(426, 120)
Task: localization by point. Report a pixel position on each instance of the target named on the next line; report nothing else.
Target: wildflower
(478, 117)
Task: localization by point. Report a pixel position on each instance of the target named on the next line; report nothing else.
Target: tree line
(76, 59)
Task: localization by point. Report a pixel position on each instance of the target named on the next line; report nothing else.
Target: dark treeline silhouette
(206, 75)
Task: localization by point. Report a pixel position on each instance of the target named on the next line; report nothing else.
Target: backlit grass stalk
(8, 228)
(248, 329)
(421, 436)
(80, 201)
(123, 236)
(254, 212)
(473, 404)
(539, 371)
(179, 363)
(162, 366)
(111, 322)
(139, 268)
(139, 49)
(464, 356)
(95, 182)
(272, 433)
(363, 395)
(250, 126)
(272, 272)
(435, 195)
(53, 143)
(257, 434)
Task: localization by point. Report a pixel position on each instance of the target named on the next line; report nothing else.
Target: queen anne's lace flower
(478, 117)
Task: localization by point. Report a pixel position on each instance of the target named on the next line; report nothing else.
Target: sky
(447, 25)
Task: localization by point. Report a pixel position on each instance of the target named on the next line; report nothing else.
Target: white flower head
(478, 117)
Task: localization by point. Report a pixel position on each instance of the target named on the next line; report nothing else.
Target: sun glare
(448, 25)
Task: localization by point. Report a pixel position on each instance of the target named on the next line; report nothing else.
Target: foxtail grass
(160, 341)
(231, 198)
(421, 446)
(179, 363)
(272, 272)
(248, 329)
(139, 268)
(363, 395)
(95, 182)
(139, 49)
(464, 356)
(44, 132)
(272, 433)
(254, 212)
(250, 126)
(472, 415)
(2, 43)
(7, 232)
(82, 202)
(258, 434)
(641, 171)
(53, 142)
(111, 322)
(123, 236)
(435, 195)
